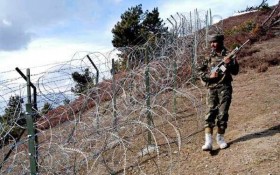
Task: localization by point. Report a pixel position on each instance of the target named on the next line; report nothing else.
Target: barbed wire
(104, 129)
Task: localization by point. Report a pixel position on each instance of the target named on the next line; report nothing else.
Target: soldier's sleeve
(205, 77)
(202, 70)
(233, 66)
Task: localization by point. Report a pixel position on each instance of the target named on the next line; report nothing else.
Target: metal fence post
(210, 17)
(114, 95)
(32, 132)
(148, 100)
(206, 29)
(33, 87)
(97, 71)
(30, 128)
(98, 95)
(195, 45)
(174, 86)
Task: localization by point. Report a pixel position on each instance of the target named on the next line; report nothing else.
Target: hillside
(253, 132)
(254, 125)
(84, 138)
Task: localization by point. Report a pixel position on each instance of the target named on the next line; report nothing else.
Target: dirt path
(253, 131)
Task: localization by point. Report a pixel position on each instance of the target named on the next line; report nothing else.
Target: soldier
(219, 88)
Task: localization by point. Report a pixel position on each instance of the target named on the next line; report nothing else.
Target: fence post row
(32, 138)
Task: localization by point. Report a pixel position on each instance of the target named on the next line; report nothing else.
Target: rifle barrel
(244, 44)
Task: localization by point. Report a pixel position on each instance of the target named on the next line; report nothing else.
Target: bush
(246, 27)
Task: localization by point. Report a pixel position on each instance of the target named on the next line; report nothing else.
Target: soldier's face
(215, 45)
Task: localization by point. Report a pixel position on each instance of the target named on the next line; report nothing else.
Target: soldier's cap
(216, 37)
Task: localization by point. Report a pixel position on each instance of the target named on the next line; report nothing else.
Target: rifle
(221, 66)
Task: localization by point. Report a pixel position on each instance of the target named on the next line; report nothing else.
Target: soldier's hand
(227, 60)
(214, 75)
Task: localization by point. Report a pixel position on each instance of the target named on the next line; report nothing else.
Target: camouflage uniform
(219, 89)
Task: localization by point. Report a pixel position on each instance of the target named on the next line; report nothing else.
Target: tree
(135, 29)
(127, 31)
(66, 101)
(152, 24)
(83, 81)
(13, 111)
(13, 120)
(46, 108)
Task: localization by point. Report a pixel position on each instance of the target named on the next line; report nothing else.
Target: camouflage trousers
(218, 102)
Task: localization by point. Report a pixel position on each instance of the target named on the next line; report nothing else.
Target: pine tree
(13, 120)
(127, 32)
(83, 81)
(13, 111)
(46, 108)
(66, 101)
(135, 29)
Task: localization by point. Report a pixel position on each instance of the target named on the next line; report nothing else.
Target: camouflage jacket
(204, 69)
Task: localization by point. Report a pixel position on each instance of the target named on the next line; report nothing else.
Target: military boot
(221, 141)
(220, 138)
(208, 142)
(208, 139)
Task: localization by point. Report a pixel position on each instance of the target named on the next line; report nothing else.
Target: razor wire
(80, 137)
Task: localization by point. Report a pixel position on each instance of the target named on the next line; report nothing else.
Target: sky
(38, 32)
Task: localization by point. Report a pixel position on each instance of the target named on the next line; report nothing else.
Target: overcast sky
(37, 32)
